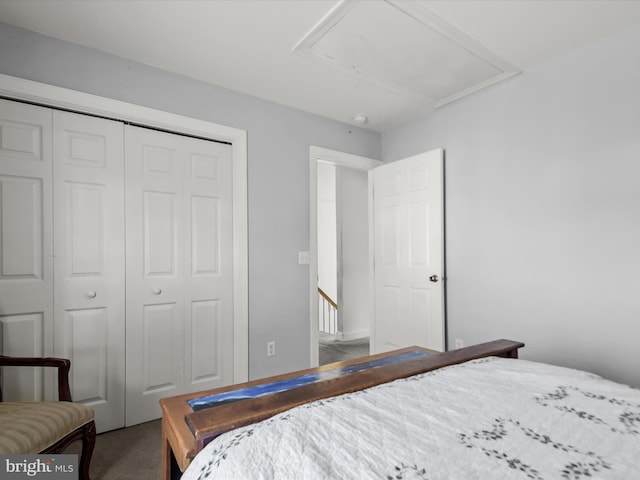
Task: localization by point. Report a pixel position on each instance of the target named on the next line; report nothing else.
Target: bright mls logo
(51, 467)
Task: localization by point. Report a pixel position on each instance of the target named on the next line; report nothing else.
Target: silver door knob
(434, 278)
(91, 294)
(157, 291)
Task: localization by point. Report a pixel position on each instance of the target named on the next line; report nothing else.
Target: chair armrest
(62, 364)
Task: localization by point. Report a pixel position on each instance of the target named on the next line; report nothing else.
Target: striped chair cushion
(30, 427)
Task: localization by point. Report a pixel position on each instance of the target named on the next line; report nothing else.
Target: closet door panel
(179, 268)
(160, 236)
(206, 359)
(26, 265)
(205, 231)
(155, 270)
(86, 329)
(21, 336)
(22, 235)
(85, 205)
(89, 255)
(159, 349)
(209, 256)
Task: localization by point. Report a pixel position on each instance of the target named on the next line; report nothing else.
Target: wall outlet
(459, 343)
(271, 349)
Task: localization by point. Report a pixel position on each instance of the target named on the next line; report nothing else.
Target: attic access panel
(404, 47)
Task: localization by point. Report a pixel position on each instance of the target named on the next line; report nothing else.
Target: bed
(476, 416)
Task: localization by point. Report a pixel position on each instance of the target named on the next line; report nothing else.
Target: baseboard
(346, 336)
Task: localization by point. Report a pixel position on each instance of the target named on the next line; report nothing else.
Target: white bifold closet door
(89, 287)
(179, 245)
(116, 251)
(26, 261)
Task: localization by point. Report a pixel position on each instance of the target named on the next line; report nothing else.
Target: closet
(115, 252)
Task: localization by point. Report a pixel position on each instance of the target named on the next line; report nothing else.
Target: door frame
(335, 157)
(52, 96)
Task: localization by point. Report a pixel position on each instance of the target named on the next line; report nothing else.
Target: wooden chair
(46, 427)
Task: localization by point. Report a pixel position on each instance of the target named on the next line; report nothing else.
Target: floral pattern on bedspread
(486, 419)
(627, 421)
(579, 465)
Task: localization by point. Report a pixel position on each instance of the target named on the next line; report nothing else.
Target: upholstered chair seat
(32, 427)
(46, 427)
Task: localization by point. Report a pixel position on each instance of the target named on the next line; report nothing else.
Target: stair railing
(327, 313)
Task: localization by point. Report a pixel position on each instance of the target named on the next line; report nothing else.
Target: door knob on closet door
(157, 291)
(434, 278)
(91, 294)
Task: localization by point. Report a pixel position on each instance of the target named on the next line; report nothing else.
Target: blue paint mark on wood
(215, 400)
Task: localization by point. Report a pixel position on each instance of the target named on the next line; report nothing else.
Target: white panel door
(179, 271)
(26, 262)
(208, 257)
(90, 262)
(408, 253)
(154, 305)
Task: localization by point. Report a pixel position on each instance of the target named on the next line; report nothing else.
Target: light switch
(303, 258)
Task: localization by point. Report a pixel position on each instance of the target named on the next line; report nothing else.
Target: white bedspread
(487, 419)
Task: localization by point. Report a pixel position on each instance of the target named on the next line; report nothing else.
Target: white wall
(327, 236)
(543, 208)
(278, 171)
(353, 253)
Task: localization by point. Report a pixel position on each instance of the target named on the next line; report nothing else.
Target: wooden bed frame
(185, 432)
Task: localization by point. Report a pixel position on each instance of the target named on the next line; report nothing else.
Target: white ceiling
(389, 59)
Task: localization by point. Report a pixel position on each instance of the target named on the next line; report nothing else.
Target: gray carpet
(331, 350)
(127, 453)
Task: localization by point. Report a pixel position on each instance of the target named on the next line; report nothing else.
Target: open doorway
(343, 263)
(339, 254)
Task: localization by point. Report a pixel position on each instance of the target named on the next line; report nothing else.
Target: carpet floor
(331, 350)
(127, 453)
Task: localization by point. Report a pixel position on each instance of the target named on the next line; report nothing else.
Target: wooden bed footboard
(185, 431)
